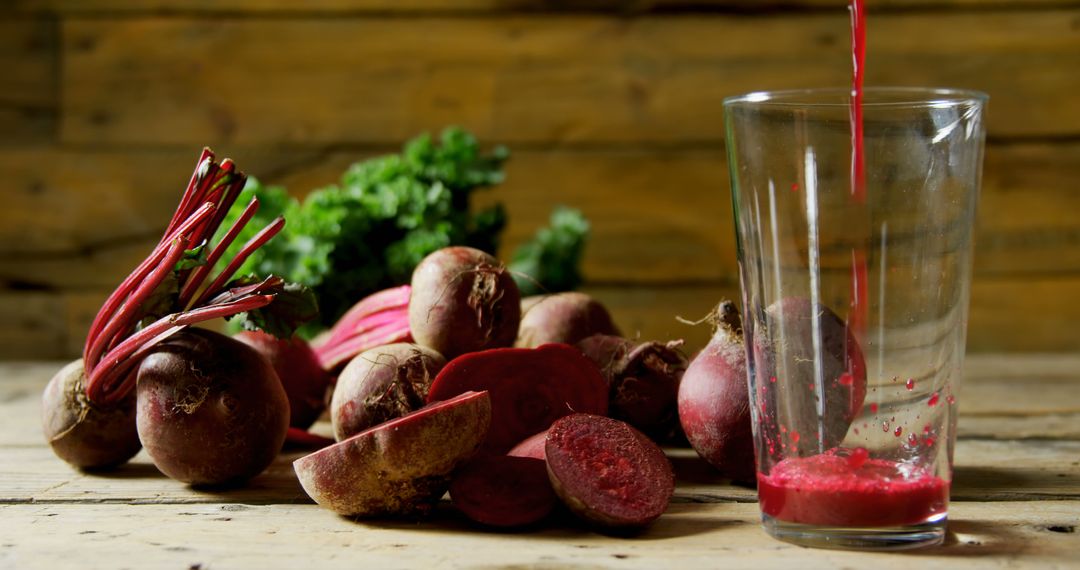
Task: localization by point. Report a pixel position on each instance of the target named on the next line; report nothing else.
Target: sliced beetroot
(381, 384)
(463, 300)
(400, 467)
(530, 388)
(714, 403)
(503, 491)
(298, 368)
(643, 380)
(607, 472)
(563, 317)
(83, 434)
(792, 359)
(532, 447)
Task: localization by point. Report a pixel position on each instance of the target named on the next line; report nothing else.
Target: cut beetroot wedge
(503, 491)
(530, 388)
(400, 467)
(607, 472)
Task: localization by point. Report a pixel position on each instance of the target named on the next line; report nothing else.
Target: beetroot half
(643, 380)
(298, 368)
(563, 317)
(400, 467)
(714, 403)
(530, 388)
(83, 434)
(210, 410)
(791, 358)
(382, 384)
(607, 472)
(503, 491)
(463, 300)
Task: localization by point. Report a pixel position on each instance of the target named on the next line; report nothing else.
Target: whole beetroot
(298, 368)
(210, 410)
(463, 300)
(787, 351)
(714, 403)
(563, 317)
(643, 380)
(85, 435)
(382, 384)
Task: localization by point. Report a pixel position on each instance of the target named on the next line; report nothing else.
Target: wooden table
(1016, 493)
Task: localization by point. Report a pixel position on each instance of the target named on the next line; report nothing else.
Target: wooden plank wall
(612, 106)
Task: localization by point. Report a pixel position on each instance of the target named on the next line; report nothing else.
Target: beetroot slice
(530, 388)
(400, 467)
(503, 491)
(531, 447)
(607, 472)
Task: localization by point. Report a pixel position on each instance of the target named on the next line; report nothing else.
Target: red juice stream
(845, 487)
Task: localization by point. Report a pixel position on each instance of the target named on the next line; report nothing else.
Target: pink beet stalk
(125, 328)
(378, 319)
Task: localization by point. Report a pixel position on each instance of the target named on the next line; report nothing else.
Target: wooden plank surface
(577, 79)
(28, 85)
(479, 6)
(1015, 504)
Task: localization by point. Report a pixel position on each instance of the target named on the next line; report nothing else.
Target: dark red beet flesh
(210, 410)
(503, 491)
(714, 403)
(563, 317)
(790, 323)
(530, 388)
(298, 368)
(463, 300)
(85, 435)
(400, 467)
(643, 380)
(607, 472)
(382, 384)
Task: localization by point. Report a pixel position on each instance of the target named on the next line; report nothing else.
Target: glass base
(930, 533)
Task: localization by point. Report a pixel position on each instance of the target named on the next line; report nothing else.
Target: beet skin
(210, 410)
(298, 368)
(563, 317)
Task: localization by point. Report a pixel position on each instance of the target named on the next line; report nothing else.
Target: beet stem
(331, 356)
(202, 166)
(257, 241)
(191, 285)
(354, 319)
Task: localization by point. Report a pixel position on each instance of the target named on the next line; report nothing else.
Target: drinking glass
(855, 283)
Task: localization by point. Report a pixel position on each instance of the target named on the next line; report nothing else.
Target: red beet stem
(296, 437)
(257, 241)
(357, 319)
(332, 356)
(191, 285)
(206, 159)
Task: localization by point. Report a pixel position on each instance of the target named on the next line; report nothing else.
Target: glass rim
(873, 97)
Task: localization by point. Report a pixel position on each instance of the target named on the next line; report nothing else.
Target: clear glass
(855, 305)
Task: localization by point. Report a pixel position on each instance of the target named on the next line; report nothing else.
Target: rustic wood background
(609, 106)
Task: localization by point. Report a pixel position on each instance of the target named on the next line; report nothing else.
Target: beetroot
(531, 447)
(607, 472)
(463, 300)
(530, 388)
(304, 380)
(564, 317)
(85, 435)
(382, 384)
(400, 467)
(503, 491)
(714, 403)
(643, 380)
(210, 410)
(785, 351)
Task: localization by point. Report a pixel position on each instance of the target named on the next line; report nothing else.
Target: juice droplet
(795, 187)
(885, 426)
(951, 399)
(899, 430)
(929, 440)
(873, 408)
(912, 440)
(794, 437)
(773, 379)
(926, 428)
(846, 379)
(858, 456)
(933, 399)
(910, 384)
(783, 429)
